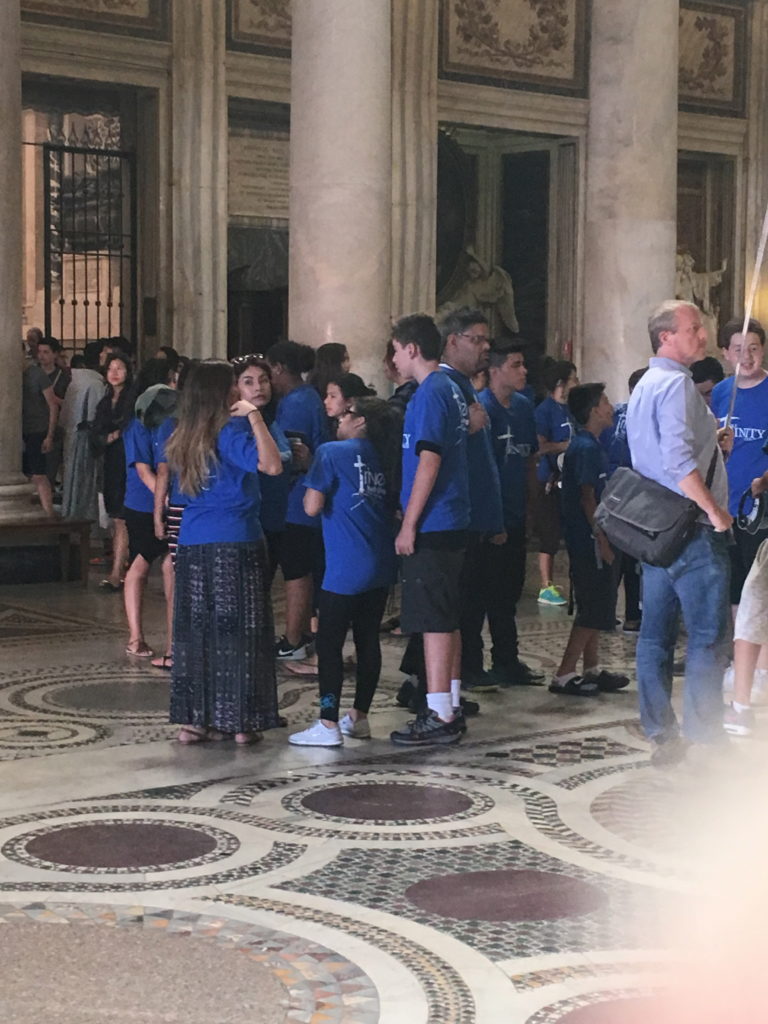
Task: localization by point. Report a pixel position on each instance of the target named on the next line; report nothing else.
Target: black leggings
(336, 613)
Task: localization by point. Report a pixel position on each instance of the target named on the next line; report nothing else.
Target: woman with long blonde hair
(223, 680)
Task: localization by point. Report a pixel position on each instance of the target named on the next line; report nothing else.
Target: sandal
(112, 588)
(165, 662)
(189, 734)
(579, 686)
(138, 649)
(302, 668)
(242, 739)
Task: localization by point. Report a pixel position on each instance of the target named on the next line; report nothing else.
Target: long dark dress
(110, 418)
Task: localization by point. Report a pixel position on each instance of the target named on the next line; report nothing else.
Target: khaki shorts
(752, 616)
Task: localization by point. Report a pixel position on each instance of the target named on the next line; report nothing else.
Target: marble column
(341, 178)
(199, 178)
(414, 155)
(14, 491)
(631, 186)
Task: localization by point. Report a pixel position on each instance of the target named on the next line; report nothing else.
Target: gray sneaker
(357, 729)
(427, 729)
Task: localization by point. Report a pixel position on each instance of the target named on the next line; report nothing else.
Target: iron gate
(89, 244)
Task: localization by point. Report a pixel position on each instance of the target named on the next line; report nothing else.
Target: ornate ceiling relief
(259, 26)
(538, 44)
(713, 57)
(128, 17)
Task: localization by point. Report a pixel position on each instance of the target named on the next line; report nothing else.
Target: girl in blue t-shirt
(254, 383)
(223, 676)
(354, 484)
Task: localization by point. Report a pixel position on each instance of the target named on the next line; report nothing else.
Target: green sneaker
(551, 595)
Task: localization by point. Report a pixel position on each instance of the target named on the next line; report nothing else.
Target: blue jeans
(696, 584)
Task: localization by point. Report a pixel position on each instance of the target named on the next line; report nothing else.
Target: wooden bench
(31, 529)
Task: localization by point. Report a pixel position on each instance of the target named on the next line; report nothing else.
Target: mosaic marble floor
(539, 873)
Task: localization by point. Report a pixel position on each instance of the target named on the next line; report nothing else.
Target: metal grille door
(90, 244)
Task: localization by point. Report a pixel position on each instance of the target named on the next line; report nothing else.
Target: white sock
(441, 704)
(740, 707)
(595, 670)
(455, 693)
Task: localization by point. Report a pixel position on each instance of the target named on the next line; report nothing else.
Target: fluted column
(414, 155)
(199, 184)
(340, 177)
(14, 492)
(629, 260)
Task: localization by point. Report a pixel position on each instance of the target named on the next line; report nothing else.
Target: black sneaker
(458, 717)
(469, 708)
(517, 675)
(427, 730)
(285, 651)
(406, 694)
(479, 682)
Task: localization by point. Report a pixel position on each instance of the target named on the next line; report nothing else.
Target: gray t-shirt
(34, 408)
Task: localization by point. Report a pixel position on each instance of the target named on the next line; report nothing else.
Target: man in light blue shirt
(672, 438)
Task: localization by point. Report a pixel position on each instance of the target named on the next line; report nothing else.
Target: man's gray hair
(664, 318)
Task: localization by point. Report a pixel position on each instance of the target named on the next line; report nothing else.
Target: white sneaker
(317, 735)
(358, 729)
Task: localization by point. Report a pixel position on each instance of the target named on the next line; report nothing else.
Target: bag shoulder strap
(712, 465)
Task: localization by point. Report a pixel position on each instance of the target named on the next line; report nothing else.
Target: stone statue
(488, 289)
(696, 287)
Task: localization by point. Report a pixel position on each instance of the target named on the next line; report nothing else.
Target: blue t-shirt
(226, 510)
(614, 440)
(750, 430)
(513, 435)
(302, 412)
(553, 423)
(176, 496)
(139, 447)
(437, 419)
(275, 489)
(358, 531)
(485, 514)
(585, 463)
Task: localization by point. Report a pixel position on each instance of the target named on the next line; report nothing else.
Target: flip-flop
(142, 651)
(165, 662)
(576, 687)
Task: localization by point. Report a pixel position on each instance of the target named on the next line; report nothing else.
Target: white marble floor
(539, 872)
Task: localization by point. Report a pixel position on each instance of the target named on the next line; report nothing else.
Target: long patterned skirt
(223, 639)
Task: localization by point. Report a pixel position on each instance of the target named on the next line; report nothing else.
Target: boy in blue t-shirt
(554, 429)
(513, 436)
(747, 461)
(594, 563)
(435, 500)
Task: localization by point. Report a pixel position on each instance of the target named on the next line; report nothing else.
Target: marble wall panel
(259, 26)
(145, 18)
(524, 44)
(713, 57)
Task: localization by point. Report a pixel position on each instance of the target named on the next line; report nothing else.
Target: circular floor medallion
(630, 1010)
(148, 696)
(120, 846)
(388, 803)
(506, 895)
(31, 735)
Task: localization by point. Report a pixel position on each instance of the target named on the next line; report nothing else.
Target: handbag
(645, 519)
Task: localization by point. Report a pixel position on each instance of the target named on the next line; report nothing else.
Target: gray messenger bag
(646, 520)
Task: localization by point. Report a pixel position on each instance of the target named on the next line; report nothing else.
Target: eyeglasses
(476, 339)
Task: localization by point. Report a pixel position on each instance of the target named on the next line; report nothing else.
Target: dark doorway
(525, 238)
(257, 319)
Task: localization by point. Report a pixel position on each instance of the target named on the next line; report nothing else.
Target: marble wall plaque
(259, 26)
(145, 18)
(713, 57)
(258, 175)
(524, 44)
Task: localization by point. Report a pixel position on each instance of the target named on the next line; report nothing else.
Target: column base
(15, 503)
